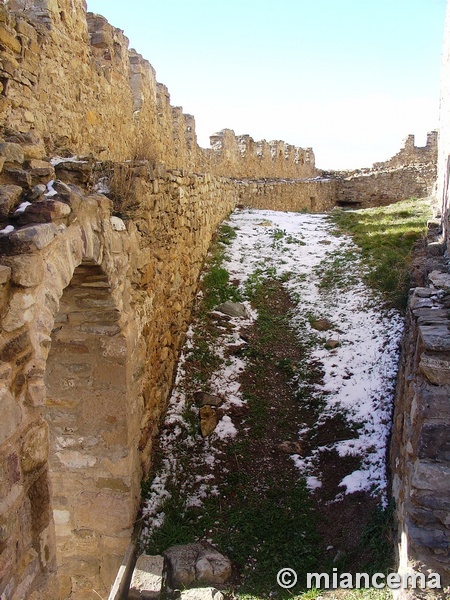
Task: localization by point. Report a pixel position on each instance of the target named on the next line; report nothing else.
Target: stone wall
(94, 311)
(420, 455)
(242, 157)
(95, 295)
(311, 195)
(411, 173)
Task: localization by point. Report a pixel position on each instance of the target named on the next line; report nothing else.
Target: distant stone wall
(411, 173)
(242, 157)
(317, 195)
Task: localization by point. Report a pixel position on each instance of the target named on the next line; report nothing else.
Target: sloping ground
(294, 473)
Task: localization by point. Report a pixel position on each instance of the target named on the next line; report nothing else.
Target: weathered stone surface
(431, 476)
(5, 274)
(34, 236)
(208, 420)
(321, 324)
(34, 450)
(147, 578)
(44, 212)
(11, 415)
(440, 280)
(196, 563)
(77, 172)
(203, 399)
(436, 337)
(27, 269)
(206, 593)
(9, 198)
(233, 309)
(434, 442)
(11, 152)
(436, 368)
(431, 538)
(19, 311)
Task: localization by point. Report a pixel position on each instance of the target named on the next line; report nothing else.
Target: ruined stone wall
(71, 79)
(317, 195)
(411, 173)
(420, 451)
(93, 312)
(242, 157)
(420, 456)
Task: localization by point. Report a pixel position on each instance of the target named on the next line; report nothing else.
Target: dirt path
(293, 475)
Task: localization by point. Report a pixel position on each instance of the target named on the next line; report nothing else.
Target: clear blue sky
(350, 78)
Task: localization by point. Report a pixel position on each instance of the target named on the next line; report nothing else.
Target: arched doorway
(94, 484)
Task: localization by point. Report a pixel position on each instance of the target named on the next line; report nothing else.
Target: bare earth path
(294, 473)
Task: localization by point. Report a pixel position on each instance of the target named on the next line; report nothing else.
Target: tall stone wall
(93, 314)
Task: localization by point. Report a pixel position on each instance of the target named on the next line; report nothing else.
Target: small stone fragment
(208, 420)
(204, 399)
(233, 309)
(291, 447)
(332, 344)
(147, 578)
(321, 324)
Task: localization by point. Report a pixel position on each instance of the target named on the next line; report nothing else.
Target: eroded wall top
(70, 78)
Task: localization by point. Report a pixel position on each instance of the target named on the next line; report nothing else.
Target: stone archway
(91, 460)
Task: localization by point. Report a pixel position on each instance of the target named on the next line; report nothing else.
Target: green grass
(216, 286)
(387, 236)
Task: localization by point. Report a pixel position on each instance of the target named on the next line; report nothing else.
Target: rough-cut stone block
(27, 269)
(11, 152)
(440, 280)
(8, 40)
(430, 476)
(434, 442)
(436, 368)
(193, 563)
(431, 538)
(9, 198)
(435, 337)
(12, 347)
(35, 236)
(19, 312)
(147, 578)
(435, 402)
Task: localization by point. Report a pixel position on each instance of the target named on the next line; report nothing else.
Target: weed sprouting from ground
(387, 237)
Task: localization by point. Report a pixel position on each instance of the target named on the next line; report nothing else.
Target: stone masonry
(97, 285)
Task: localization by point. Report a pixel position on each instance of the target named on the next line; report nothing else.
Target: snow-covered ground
(322, 272)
